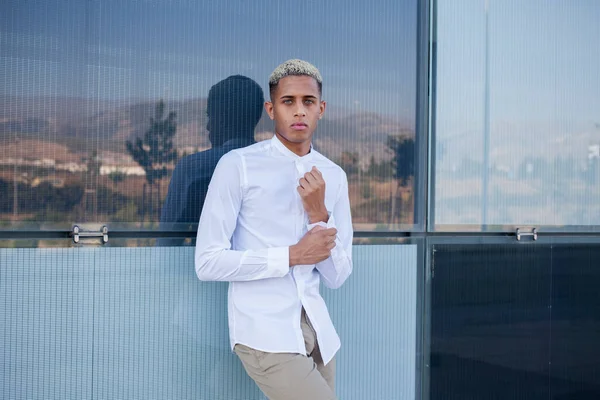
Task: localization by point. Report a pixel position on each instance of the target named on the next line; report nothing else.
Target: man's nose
(300, 112)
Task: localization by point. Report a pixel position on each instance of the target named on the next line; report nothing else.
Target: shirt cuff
(278, 260)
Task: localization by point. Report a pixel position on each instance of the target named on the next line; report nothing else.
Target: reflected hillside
(52, 148)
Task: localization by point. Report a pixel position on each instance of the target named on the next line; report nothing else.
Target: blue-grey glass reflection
(517, 129)
(80, 80)
(515, 322)
(136, 323)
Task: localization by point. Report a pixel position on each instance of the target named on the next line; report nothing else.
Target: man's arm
(338, 266)
(214, 258)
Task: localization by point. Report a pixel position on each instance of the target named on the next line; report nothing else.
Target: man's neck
(300, 149)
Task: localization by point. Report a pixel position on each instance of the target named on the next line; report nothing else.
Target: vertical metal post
(15, 182)
(486, 134)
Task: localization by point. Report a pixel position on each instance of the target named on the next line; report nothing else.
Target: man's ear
(322, 107)
(269, 109)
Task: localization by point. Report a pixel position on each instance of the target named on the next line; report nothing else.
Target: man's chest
(274, 190)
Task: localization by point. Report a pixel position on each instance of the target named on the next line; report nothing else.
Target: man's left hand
(312, 192)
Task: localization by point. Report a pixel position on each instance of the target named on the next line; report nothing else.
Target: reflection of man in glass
(275, 222)
(234, 108)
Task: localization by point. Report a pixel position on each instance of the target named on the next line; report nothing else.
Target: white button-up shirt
(251, 215)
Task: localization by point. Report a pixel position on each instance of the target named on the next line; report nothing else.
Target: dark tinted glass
(514, 322)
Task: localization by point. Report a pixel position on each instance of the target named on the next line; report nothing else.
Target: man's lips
(299, 126)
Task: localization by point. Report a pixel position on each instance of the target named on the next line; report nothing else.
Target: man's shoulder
(243, 152)
(237, 156)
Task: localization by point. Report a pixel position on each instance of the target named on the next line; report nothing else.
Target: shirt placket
(301, 170)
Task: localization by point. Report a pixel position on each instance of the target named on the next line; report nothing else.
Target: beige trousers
(291, 376)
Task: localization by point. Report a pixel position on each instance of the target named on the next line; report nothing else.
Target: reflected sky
(178, 49)
(543, 64)
(542, 120)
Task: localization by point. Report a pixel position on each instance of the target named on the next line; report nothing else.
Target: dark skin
(296, 107)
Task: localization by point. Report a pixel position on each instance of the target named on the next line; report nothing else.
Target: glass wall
(514, 321)
(83, 81)
(514, 203)
(456, 122)
(114, 113)
(133, 323)
(518, 82)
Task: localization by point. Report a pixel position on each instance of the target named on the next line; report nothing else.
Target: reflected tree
(379, 170)
(402, 148)
(116, 177)
(90, 199)
(154, 152)
(349, 162)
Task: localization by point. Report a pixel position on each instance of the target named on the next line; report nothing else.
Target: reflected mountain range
(85, 125)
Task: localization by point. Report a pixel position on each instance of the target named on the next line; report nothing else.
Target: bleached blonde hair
(294, 67)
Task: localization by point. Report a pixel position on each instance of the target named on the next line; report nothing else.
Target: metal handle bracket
(77, 233)
(533, 233)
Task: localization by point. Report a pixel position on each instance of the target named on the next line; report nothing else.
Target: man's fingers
(318, 176)
(327, 235)
(329, 231)
(330, 246)
(309, 183)
(311, 179)
(317, 228)
(315, 180)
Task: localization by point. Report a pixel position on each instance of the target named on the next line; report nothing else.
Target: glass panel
(490, 322)
(122, 322)
(160, 332)
(375, 313)
(575, 349)
(46, 323)
(79, 80)
(517, 132)
(515, 321)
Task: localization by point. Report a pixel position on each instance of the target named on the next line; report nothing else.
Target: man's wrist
(294, 257)
(321, 216)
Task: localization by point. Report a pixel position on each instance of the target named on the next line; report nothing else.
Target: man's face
(296, 107)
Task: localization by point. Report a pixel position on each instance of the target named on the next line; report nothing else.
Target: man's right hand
(314, 247)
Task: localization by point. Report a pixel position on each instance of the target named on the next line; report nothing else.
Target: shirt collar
(276, 143)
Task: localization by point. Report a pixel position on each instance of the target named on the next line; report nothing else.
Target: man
(276, 221)
(233, 108)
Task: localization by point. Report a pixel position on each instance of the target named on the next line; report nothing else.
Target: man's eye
(287, 102)
(308, 101)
